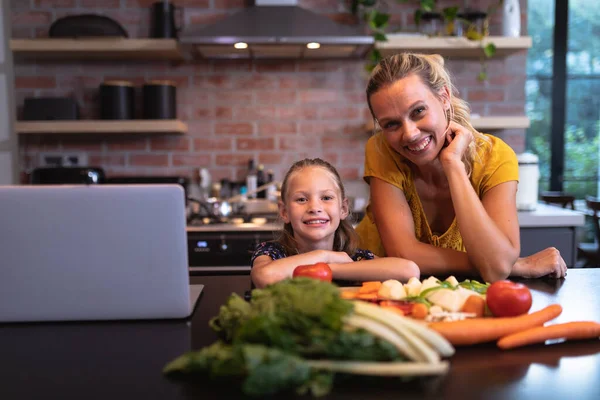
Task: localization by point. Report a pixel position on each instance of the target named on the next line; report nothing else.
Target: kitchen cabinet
(101, 127)
(550, 226)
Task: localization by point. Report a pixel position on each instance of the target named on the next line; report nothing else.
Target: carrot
(481, 330)
(419, 311)
(370, 287)
(348, 294)
(570, 331)
(366, 296)
(474, 304)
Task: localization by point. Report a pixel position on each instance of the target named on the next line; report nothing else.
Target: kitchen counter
(228, 227)
(123, 360)
(548, 216)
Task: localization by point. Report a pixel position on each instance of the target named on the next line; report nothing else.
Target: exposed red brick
(295, 112)
(254, 112)
(126, 143)
(35, 82)
(213, 82)
(150, 160)
(191, 159)
(79, 143)
(179, 143)
(229, 66)
(319, 4)
(199, 128)
(233, 159)
(276, 97)
(318, 66)
(270, 159)
(275, 66)
(257, 82)
(318, 96)
(341, 112)
(226, 4)
(224, 112)
(99, 3)
(233, 97)
(299, 142)
(105, 160)
(349, 173)
(356, 158)
(276, 127)
(341, 143)
(19, 32)
(344, 18)
(507, 109)
(31, 18)
(210, 144)
(289, 82)
(488, 95)
(234, 129)
(255, 144)
(180, 81)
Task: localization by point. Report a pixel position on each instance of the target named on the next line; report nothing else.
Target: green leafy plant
(378, 22)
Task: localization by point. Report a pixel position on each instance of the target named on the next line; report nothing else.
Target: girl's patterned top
(276, 251)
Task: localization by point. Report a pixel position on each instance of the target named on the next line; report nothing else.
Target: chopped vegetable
(570, 331)
(419, 311)
(392, 289)
(474, 304)
(481, 330)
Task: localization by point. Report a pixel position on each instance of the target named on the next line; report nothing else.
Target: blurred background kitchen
(155, 99)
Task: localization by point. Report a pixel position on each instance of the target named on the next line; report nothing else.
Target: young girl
(314, 209)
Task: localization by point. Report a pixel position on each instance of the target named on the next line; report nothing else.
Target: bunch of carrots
(512, 332)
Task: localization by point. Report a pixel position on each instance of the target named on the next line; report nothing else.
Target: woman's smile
(420, 146)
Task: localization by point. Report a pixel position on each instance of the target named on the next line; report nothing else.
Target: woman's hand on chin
(547, 262)
(457, 139)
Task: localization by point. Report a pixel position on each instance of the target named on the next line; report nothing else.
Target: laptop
(97, 252)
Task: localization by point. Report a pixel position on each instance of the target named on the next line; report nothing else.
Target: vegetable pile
(299, 333)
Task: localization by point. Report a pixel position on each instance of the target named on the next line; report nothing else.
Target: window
(569, 154)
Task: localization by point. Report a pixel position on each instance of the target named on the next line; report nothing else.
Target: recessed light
(313, 45)
(241, 45)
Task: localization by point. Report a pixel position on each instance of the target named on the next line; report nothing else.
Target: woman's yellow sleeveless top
(495, 164)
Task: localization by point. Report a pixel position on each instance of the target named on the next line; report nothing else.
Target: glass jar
(431, 24)
(475, 24)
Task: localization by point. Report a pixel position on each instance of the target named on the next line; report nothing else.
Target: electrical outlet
(63, 159)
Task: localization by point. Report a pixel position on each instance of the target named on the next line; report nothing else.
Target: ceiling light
(313, 45)
(241, 45)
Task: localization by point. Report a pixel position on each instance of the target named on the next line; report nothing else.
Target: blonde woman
(442, 194)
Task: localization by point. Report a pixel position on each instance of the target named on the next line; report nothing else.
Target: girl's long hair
(345, 239)
(430, 68)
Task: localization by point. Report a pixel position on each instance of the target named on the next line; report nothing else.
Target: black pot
(117, 100)
(67, 175)
(160, 100)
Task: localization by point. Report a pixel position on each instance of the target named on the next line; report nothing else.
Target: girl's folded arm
(378, 269)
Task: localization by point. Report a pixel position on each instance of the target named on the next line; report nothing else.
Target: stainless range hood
(276, 29)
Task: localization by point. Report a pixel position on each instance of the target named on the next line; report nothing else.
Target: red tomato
(319, 271)
(508, 299)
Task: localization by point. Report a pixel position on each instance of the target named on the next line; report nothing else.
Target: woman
(430, 173)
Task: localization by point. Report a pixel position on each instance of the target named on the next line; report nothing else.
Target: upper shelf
(488, 123)
(98, 48)
(101, 127)
(459, 47)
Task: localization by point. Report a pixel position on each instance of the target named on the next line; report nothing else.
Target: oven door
(223, 252)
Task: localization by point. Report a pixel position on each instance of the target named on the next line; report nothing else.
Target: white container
(529, 176)
(511, 18)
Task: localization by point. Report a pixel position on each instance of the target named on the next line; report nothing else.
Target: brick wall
(275, 112)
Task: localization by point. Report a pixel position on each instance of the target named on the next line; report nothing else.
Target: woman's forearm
(488, 248)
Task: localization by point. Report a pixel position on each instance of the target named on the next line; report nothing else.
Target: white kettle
(529, 175)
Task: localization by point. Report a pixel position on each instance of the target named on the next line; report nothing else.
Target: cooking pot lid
(527, 158)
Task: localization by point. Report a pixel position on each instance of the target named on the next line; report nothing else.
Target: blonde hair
(345, 238)
(432, 72)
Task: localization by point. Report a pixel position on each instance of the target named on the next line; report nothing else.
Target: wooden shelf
(98, 48)
(452, 46)
(488, 123)
(101, 127)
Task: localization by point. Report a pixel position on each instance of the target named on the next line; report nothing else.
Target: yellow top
(492, 167)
